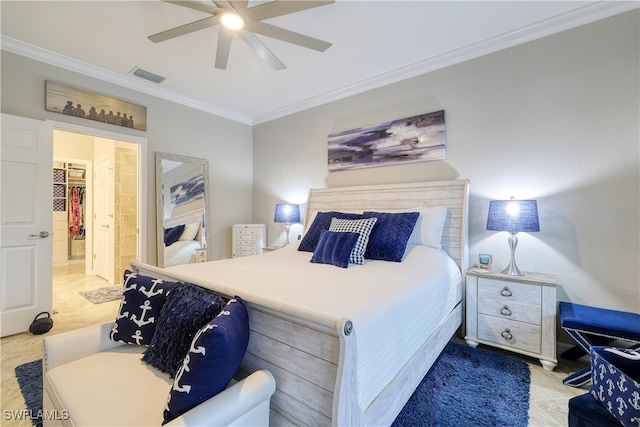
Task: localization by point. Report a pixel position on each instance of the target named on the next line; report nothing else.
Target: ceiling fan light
(231, 20)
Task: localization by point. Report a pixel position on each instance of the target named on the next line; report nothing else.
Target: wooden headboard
(452, 194)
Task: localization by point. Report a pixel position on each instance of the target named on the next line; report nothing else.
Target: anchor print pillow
(615, 382)
(142, 300)
(187, 308)
(213, 358)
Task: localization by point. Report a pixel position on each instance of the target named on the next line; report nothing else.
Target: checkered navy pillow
(360, 226)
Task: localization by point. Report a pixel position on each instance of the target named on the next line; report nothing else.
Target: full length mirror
(182, 196)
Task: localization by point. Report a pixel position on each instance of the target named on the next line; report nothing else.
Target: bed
(180, 248)
(348, 346)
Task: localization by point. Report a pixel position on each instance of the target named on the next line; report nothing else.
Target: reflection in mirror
(182, 196)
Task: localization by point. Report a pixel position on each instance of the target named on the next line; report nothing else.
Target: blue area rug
(29, 377)
(465, 387)
(470, 387)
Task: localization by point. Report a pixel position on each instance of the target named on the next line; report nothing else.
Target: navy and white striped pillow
(361, 226)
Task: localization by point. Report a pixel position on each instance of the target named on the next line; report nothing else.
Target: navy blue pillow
(142, 301)
(171, 235)
(321, 222)
(389, 237)
(214, 357)
(334, 247)
(187, 308)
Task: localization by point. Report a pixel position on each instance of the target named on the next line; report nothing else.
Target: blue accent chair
(586, 325)
(585, 411)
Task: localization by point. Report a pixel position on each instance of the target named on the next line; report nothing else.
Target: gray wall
(171, 128)
(555, 119)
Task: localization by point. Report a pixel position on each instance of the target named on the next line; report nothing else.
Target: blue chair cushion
(603, 321)
(584, 411)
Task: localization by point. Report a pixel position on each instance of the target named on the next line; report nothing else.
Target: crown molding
(52, 58)
(589, 13)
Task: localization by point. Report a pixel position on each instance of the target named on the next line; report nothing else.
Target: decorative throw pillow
(430, 225)
(362, 227)
(334, 247)
(213, 358)
(428, 228)
(171, 235)
(142, 299)
(190, 231)
(321, 222)
(389, 237)
(187, 308)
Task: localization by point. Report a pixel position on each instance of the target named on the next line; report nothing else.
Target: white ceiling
(374, 43)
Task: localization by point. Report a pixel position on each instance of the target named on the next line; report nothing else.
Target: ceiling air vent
(138, 72)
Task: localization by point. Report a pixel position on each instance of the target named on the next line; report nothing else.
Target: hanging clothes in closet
(76, 210)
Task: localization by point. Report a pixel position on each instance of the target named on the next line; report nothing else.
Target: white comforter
(394, 306)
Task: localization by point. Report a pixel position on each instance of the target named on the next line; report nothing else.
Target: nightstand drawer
(509, 291)
(522, 336)
(510, 310)
(244, 232)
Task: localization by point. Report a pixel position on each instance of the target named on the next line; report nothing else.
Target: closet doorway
(96, 212)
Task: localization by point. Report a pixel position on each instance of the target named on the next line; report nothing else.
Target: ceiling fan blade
(288, 36)
(279, 8)
(240, 5)
(224, 46)
(185, 29)
(196, 5)
(260, 48)
(222, 4)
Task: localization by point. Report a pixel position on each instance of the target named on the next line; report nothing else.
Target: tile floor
(548, 396)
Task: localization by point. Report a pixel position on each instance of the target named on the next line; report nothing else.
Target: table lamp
(289, 214)
(513, 216)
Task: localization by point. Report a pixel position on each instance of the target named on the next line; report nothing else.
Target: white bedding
(394, 306)
(180, 252)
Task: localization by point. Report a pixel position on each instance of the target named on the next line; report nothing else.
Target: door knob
(105, 226)
(42, 235)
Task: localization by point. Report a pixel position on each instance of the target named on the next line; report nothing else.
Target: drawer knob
(506, 334)
(505, 311)
(506, 292)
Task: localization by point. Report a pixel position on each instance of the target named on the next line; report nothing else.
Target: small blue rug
(470, 387)
(29, 376)
(465, 387)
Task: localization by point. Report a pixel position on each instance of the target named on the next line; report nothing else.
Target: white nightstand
(516, 313)
(201, 255)
(248, 239)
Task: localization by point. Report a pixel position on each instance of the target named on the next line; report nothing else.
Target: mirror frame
(160, 208)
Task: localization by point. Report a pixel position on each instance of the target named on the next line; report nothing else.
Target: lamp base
(287, 228)
(512, 269)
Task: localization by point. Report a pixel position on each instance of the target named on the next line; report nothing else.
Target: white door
(103, 233)
(25, 222)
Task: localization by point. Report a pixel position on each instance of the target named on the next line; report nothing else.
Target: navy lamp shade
(513, 216)
(289, 214)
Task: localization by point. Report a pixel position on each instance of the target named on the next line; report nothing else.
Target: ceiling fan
(236, 17)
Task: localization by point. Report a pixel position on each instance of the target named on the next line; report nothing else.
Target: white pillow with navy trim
(361, 226)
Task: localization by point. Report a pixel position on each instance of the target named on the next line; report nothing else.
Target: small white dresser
(248, 239)
(516, 313)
